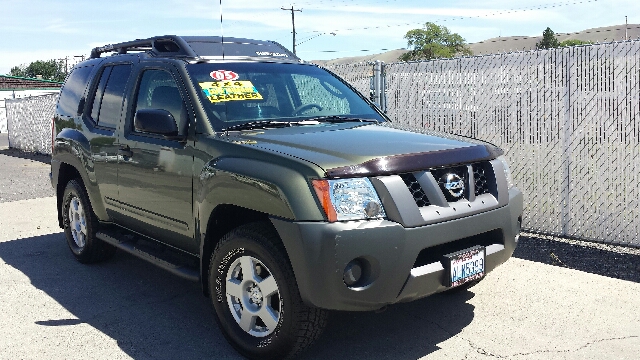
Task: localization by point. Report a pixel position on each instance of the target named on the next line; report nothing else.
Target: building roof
(388, 57)
(8, 82)
(519, 43)
(509, 43)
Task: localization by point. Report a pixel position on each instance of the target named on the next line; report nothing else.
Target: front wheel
(255, 297)
(80, 225)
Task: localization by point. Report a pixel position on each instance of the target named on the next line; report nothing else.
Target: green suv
(273, 183)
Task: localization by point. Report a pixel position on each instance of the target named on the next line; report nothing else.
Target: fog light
(352, 273)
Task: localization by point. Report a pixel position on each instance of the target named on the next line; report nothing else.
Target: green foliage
(574, 43)
(50, 70)
(433, 41)
(548, 41)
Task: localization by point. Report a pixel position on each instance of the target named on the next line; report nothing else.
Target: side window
(158, 90)
(97, 97)
(73, 90)
(108, 96)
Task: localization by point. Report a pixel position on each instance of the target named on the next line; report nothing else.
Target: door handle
(125, 151)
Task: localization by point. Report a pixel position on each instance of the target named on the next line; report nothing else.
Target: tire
(80, 225)
(263, 317)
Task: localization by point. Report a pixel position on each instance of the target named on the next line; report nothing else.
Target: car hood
(344, 150)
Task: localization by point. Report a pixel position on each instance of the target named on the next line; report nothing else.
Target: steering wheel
(335, 92)
(305, 107)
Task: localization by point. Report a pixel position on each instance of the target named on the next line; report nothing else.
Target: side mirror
(156, 121)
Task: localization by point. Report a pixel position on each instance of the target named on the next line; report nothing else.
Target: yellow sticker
(218, 91)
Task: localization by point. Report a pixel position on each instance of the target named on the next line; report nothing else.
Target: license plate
(465, 265)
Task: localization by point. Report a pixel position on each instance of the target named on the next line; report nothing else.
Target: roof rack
(199, 47)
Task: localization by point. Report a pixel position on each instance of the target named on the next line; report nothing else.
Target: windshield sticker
(219, 91)
(224, 75)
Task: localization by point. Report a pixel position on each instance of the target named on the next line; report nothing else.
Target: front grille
(416, 190)
(483, 180)
(480, 178)
(462, 172)
(435, 253)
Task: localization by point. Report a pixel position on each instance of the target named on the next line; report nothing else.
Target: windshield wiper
(339, 119)
(264, 124)
(260, 124)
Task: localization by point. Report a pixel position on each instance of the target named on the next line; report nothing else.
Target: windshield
(237, 93)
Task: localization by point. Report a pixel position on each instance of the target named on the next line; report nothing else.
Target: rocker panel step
(155, 253)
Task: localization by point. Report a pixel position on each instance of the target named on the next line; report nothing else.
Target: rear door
(103, 113)
(155, 173)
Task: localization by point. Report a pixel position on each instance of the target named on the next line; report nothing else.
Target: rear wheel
(80, 225)
(255, 297)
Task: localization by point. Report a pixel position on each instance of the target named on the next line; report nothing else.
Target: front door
(155, 173)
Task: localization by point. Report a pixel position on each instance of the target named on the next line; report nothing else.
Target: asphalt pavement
(555, 299)
(4, 141)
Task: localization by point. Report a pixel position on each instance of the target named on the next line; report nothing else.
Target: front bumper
(320, 251)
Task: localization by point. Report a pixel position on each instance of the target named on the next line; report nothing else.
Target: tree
(548, 41)
(574, 42)
(50, 70)
(434, 41)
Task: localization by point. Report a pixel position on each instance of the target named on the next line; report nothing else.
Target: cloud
(30, 27)
(59, 26)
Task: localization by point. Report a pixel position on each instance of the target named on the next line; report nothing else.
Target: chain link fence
(29, 122)
(360, 76)
(3, 116)
(568, 120)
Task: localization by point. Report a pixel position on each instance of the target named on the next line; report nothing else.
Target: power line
(331, 3)
(501, 12)
(313, 37)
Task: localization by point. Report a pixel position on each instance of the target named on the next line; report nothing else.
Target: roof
(388, 57)
(200, 47)
(519, 43)
(507, 43)
(8, 82)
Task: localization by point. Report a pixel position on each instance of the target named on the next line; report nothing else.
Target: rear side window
(108, 96)
(73, 90)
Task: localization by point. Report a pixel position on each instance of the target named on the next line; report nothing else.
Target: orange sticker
(224, 75)
(218, 91)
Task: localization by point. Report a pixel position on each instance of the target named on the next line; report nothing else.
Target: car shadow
(13, 152)
(594, 260)
(153, 314)
(404, 331)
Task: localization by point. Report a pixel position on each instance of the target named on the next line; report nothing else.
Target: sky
(33, 30)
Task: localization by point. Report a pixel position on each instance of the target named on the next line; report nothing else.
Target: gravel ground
(26, 176)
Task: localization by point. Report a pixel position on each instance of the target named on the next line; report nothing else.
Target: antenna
(221, 30)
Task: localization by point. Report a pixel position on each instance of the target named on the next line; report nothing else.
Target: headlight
(507, 171)
(349, 199)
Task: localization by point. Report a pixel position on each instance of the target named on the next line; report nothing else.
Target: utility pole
(626, 26)
(293, 23)
(66, 64)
